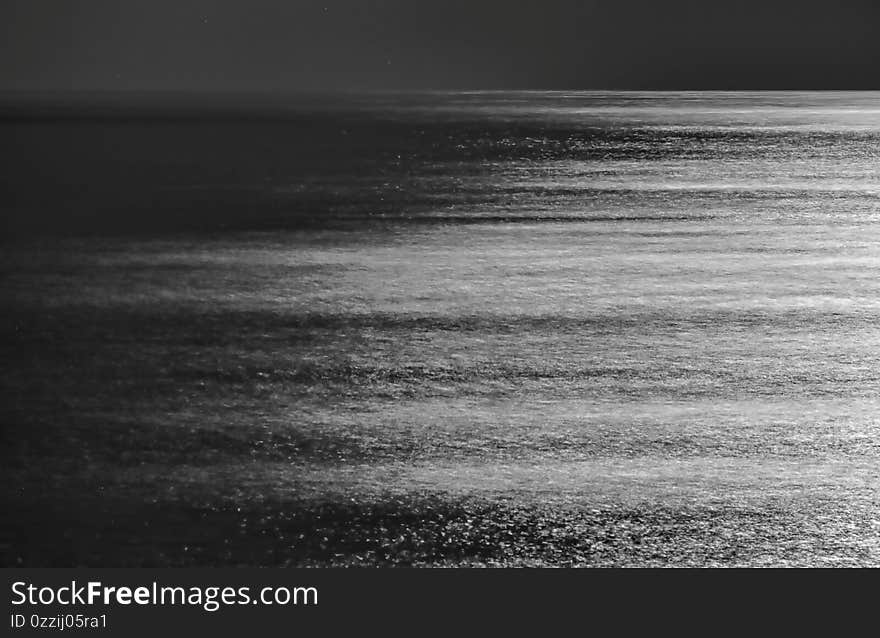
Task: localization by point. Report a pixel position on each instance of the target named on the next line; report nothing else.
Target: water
(610, 328)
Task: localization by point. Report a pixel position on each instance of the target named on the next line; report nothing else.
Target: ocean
(441, 328)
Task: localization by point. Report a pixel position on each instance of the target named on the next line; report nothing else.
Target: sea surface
(467, 328)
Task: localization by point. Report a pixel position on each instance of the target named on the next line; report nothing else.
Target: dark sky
(340, 44)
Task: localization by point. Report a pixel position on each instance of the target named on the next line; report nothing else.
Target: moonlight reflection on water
(488, 328)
